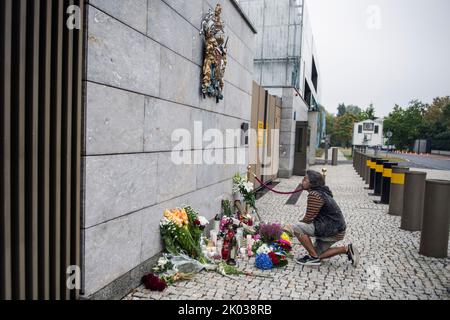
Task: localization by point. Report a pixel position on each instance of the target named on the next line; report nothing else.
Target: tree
(355, 110)
(343, 129)
(437, 116)
(330, 130)
(406, 125)
(341, 110)
(437, 123)
(393, 123)
(368, 114)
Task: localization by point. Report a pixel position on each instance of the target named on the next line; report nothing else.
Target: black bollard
(373, 165)
(386, 181)
(378, 177)
(367, 170)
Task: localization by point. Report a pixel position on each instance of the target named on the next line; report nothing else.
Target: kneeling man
(323, 221)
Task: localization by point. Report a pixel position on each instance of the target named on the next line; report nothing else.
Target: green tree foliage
(330, 119)
(354, 110)
(420, 120)
(341, 110)
(343, 129)
(368, 114)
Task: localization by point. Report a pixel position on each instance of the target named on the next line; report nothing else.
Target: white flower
(203, 221)
(165, 222)
(162, 262)
(264, 249)
(248, 186)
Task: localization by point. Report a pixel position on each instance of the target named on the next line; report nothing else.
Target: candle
(217, 226)
(213, 235)
(249, 245)
(219, 246)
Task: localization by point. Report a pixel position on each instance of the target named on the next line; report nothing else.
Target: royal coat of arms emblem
(215, 61)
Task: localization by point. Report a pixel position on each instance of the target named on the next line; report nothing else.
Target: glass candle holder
(213, 236)
(219, 246)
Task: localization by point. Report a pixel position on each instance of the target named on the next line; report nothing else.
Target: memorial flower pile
(273, 249)
(181, 230)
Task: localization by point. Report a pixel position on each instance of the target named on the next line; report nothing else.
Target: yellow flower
(285, 237)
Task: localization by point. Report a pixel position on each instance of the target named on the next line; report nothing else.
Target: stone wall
(143, 81)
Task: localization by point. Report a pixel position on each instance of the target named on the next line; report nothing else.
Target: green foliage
(194, 230)
(341, 110)
(340, 128)
(354, 110)
(343, 129)
(368, 114)
(417, 120)
(420, 120)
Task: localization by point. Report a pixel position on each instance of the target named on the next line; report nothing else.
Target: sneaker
(308, 261)
(353, 255)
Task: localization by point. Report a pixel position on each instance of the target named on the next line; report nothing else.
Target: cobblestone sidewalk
(390, 266)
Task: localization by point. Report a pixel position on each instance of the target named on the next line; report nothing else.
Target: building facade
(286, 64)
(144, 63)
(368, 133)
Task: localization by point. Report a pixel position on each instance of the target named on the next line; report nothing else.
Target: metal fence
(41, 70)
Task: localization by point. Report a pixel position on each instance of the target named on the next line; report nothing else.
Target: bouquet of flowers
(243, 186)
(181, 232)
(170, 269)
(271, 251)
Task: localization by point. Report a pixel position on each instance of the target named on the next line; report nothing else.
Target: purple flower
(270, 232)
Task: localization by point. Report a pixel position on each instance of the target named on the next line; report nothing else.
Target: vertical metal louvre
(41, 66)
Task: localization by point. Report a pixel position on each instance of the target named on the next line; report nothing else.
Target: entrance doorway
(301, 144)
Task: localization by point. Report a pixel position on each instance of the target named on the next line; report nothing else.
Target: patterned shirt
(314, 204)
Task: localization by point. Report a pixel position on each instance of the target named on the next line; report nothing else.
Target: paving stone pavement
(390, 265)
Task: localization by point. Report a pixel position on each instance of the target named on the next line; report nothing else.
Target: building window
(360, 129)
(368, 126)
(315, 75)
(376, 129)
(307, 94)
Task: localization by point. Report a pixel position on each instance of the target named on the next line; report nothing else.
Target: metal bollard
(353, 158)
(356, 162)
(364, 168)
(397, 191)
(373, 165)
(334, 160)
(413, 200)
(367, 170)
(360, 165)
(436, 219)
(378, 176)
(386, 182)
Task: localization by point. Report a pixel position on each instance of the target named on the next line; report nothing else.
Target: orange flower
(178, 216)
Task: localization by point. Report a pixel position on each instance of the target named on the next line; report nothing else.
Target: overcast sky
(381, 51)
